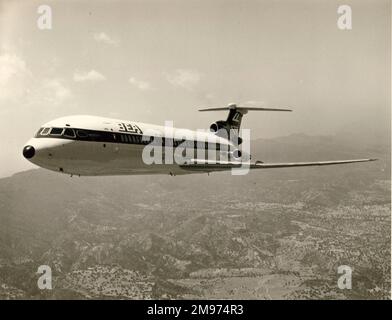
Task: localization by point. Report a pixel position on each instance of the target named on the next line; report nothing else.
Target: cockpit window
(70, 133)
(56, 131)
(44, 131)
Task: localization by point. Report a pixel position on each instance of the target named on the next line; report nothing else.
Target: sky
(160, 60)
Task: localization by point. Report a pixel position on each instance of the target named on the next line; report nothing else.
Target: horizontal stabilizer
(243, 110)
(235, 115)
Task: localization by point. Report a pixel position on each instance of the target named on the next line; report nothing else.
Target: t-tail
(234, 118)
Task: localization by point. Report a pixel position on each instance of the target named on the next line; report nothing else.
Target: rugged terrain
(278, 233)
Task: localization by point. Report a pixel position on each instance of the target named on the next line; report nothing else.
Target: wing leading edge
(209, 166)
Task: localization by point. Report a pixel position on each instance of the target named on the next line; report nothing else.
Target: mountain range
(277, 233)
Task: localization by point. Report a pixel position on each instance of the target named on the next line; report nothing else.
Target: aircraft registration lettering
(131, 128)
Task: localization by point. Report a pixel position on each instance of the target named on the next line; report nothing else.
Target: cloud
(10, 66)
(104, 38)
(142, 85)
(14, 75)
(46, 94)
(92, 76)
(18, 86)
(184, 78)
(56, 92)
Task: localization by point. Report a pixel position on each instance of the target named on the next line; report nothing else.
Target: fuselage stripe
(133, 139)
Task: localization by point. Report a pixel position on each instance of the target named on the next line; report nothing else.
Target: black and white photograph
(198, 150)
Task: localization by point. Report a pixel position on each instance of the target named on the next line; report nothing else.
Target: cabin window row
(138, 139)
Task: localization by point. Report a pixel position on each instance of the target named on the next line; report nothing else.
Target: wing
(210, 166)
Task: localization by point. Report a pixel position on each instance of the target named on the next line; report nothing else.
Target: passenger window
(70, 133)
(95, 136)
(56, 131)
(82, 134)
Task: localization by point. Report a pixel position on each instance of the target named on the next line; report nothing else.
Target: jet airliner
(95, 146)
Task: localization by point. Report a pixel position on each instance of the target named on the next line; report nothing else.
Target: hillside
(278, 233)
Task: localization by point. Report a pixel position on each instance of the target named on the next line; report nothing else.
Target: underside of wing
(210, 166)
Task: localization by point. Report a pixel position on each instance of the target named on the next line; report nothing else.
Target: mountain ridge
(172, 237)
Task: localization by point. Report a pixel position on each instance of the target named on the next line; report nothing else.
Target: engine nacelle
(222, 125)
(237, 154)
(219, 125)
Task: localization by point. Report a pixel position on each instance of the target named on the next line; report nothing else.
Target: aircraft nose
(28, 152)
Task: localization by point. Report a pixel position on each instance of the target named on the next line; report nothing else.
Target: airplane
(85, 145)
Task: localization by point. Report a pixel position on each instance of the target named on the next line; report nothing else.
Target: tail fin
(235, 116)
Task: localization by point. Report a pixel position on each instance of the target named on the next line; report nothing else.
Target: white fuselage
(92, 146)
